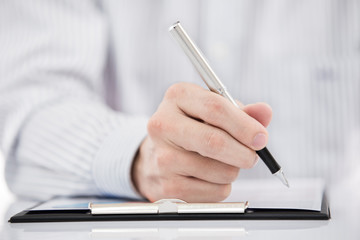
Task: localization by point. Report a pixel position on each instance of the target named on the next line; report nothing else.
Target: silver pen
(216, 86)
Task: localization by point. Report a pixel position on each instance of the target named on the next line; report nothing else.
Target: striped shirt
(79, 79)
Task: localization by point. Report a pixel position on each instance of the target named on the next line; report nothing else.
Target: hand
(197, 142)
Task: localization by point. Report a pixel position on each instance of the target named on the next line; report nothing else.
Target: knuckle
(250, 160)
(164, 159)
(157, 125)
(154, 125)
(231, 174)
(214, 107)
(215, 142)
(175, 90)
(223, 192)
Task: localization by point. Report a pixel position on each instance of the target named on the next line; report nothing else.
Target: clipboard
(169, 209)
(249, 200)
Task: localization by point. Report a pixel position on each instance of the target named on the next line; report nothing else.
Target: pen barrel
(197, 58)
(269, 160)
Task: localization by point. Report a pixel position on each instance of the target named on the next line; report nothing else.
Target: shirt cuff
(113, 162)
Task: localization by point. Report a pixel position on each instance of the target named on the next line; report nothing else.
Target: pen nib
(280, 175)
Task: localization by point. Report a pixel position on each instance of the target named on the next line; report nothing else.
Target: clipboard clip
(167, 206)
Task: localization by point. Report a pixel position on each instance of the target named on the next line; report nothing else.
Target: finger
(262, 112)
(218, 111)
(191, 164)
(241, 105)
(204, 139)
(194, 190)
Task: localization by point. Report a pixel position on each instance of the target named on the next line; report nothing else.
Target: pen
(216, 86)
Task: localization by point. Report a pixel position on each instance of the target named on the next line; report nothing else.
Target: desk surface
(344, 224)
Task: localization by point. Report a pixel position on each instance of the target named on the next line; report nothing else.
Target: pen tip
(280, 174)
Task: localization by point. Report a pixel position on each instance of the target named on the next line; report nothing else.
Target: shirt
(79, 79)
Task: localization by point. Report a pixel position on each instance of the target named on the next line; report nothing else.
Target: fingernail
(259, 141)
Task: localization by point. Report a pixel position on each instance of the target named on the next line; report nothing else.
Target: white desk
(344, 224)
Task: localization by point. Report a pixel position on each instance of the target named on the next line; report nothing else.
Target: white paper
(73, 203)
(303, 194)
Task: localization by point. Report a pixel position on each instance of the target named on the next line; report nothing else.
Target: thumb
(262, 112)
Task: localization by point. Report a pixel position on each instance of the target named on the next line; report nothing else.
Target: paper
(73, 203)
(303, 194)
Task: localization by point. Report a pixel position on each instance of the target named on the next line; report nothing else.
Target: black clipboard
(28, 216)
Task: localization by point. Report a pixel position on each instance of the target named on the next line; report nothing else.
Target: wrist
(137, 168)
(113, 162)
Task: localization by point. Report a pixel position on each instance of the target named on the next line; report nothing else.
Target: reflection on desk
(158, 229)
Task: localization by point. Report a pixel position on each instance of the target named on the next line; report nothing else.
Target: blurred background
(5, 195)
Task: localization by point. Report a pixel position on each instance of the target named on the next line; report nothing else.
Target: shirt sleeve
(56, 133)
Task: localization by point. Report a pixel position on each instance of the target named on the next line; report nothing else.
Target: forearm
(75, 147)
(57, 136)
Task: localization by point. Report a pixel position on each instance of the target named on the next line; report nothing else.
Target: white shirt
(78, 80)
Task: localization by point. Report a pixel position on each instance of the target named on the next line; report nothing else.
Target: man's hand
(197, 142)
